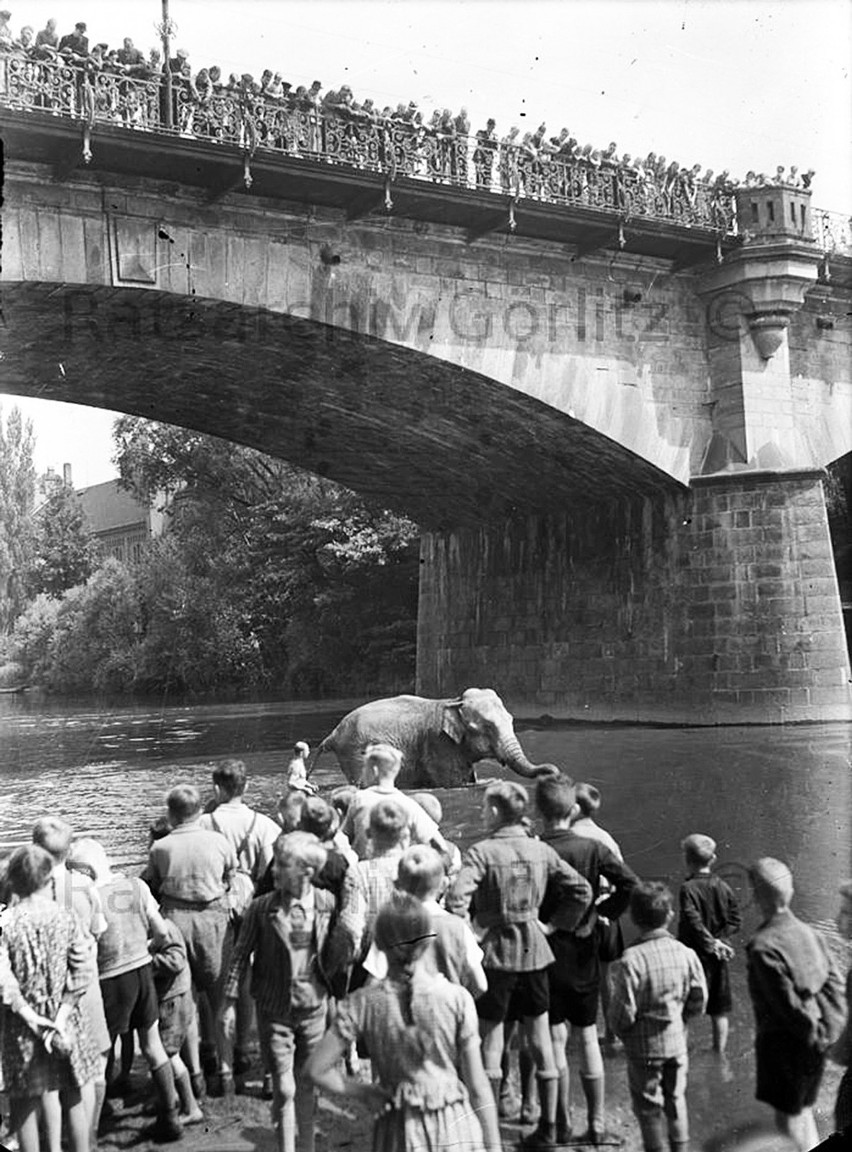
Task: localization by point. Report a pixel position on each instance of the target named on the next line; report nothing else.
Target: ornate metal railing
(295, 126)
(832, 232)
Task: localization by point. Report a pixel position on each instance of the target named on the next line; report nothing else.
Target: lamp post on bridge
(167, 28)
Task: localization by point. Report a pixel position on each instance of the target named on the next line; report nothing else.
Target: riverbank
(783, 792)
(720, 1101)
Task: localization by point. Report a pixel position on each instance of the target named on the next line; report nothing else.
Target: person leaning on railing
(336, 126)
(75, 45)
(5, 30)
(458, 158)
(484, 153)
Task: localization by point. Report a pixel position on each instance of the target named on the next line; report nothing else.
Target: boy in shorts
(656, 986)
(173, 984)
(290, 937)
(709, 913)
(575, 978)
(788, 966)
(505, 876)
(124, 969)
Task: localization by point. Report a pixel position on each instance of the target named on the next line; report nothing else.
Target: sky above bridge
(736, 84)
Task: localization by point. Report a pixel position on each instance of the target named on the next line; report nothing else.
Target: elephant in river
(440, 740)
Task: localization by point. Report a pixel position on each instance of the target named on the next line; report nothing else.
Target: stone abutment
(718, 605)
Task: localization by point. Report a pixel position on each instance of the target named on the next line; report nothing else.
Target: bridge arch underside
(445, 445)
(574, 576)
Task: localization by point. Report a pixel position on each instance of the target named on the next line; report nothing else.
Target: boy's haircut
(698, 849)
(303, 846)
(341, 798)
(388, 823)
(509, 799)
(159, 828)
(430, 804)
(230, 778)
(555, 797)
(421, 871)
(403, 926)
(90, 854)
(384, 760)
(589, 798)
(773, 878)
(54, 836)
(651, 905)
(290, 810)
(29, 869)
(300, 748)
(318, 817)
(183, 802)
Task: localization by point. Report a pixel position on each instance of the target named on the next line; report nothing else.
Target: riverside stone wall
(718, 606)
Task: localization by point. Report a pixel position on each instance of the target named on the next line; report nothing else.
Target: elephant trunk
(510, 753)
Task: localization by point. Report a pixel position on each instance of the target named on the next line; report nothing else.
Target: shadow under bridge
(443, 444)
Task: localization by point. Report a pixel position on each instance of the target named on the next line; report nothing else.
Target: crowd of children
(358, 932)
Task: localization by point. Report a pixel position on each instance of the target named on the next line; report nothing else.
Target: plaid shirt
(506, 876)
(656, 985)
(377, 879)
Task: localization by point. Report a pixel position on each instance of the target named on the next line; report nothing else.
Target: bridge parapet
(392, 147)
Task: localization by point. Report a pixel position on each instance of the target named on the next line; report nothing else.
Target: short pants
(175, 1019)
(209, 937)
(130, 1001)
(788, 1073)
(529, 993)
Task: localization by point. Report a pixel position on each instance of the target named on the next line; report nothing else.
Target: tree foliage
(319, 587)
(134, 628)
(17, 496)
(64, 551)
(265, 577)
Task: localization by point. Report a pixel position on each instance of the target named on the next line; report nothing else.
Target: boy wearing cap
(791, 979)
(76, 44)
(709, 913)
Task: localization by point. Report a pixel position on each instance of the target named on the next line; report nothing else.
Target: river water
(778, 791)
(782, 791)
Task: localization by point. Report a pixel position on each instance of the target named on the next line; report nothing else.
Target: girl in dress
(422, 1037)
(43, 970)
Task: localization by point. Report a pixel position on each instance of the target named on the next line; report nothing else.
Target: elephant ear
(452, 723)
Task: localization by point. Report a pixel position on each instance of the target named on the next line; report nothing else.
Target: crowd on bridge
(125, 85)
(370, 958)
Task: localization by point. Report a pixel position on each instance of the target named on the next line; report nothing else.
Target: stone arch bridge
(612, 432)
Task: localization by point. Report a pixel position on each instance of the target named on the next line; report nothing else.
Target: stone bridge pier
(717, 603)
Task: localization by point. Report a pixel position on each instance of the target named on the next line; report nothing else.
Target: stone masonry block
(830, 695)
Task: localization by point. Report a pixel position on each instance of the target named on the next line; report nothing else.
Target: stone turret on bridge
(610, 413)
